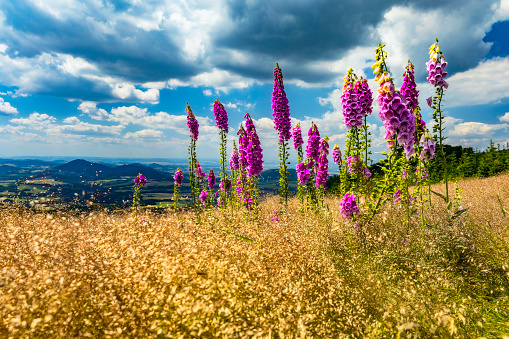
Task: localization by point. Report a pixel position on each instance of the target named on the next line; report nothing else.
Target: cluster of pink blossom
(303, 173)
(198, 171)
(225, 184)
(192, 123)
(436, 70)
(140, 180)
(297, 137)
(348, 206)
(253, 150)
(280, 107)
(409, 88)
(234, 159)
(355, 166)
(397, 119)
(365, 96)
(211, 179)
(336, 154)
(221, 116)
(350, 105)
(322, 171)
(243, 191)
(313, 147)
(203, 196)
(428, 151)
(178, 177)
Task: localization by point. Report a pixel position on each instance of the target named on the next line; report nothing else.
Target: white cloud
(128, 91)
(35, 121)
(144, 133)
(504, 118)
(221, 80)
(207, 92)
(93, 112)
(473, 128)
(126, 115)
(486, 83)
(6, 107)
(75, 126)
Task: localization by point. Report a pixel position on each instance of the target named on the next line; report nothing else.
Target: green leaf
(240, 236)
(459, 213)
(440, 195)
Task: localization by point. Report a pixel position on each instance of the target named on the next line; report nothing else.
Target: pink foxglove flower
(313, 147)
(178, 177)
(221, 116)
(336, 155)
(254, 152)
(436, 68)
(280, 107)
(198, 171)
(234, 159)
(211, 179)
(140, 180)
(192, 123)
(203, 196)
(322, 173)
(303, 173)
(398, 121)
(348, 206)
(297, 136)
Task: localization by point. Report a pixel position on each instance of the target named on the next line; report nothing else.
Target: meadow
(218, 273)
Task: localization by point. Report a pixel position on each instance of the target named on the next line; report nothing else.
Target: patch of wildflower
(313, 146)
(336, 155)
(221, 116)
(234, 158)
(222, 123)
(350, 103)
(297, 137)
(275, 216)
(254, 152)
(203, 196)
(192, 123)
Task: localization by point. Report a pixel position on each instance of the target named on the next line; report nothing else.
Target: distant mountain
(85, 168)
(273, 174)
(80, 166)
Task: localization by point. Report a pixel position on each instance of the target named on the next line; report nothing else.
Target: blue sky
(104, 78)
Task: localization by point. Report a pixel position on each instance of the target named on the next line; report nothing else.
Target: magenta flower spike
(428, 151)
(411, 94)
(322, 173)
(297, 137)
(254, 152)
(280, 107)
(192, 123)
(348, 206)
(140, 180)
(313, 147)
(303, 173)
(243, 141)
(336, 155)
(365, 96)
(211, 179)
(350, 101)
(234, 159)
(178, 177)
(203, 196)
(198, 171)
(436, 69)
(221, 116)
(397, 119)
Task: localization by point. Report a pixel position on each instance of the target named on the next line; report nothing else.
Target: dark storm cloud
(118, 48)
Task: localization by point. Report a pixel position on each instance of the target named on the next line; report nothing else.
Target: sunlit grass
(103, 274)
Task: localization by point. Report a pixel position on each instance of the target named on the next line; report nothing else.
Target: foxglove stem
(193, 180)
(283, 171)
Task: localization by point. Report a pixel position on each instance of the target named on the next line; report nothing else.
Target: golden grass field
(103, 274)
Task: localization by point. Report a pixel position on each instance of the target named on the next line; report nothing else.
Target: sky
(111, 78)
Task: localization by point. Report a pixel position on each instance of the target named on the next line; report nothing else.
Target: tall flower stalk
(251, 156)
(193, 125)
(222, 123)
(178, 177)
(282, 124)
(436, 76)
(139, 182)
(322, 170)
(312, 160)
